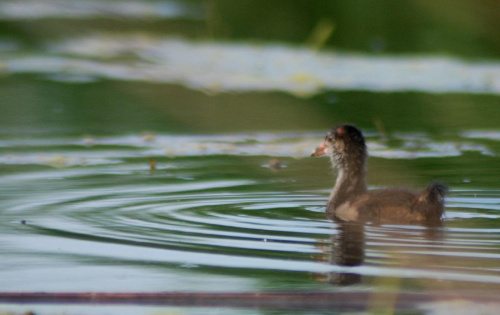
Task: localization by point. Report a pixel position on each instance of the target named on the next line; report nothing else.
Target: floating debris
(274, 165)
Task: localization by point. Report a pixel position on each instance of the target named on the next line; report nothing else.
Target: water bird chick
(351, 201)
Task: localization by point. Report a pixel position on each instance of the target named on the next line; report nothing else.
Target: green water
(89, 101)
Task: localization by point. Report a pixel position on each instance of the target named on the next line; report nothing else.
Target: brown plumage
(351, 201)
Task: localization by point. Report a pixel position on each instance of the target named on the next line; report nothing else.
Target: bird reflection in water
(347, 247)
(347, 250)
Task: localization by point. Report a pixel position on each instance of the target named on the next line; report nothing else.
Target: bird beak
(320, 150)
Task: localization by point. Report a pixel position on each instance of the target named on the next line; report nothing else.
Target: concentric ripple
(229, 218)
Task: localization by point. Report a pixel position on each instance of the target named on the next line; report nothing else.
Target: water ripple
(195, 215)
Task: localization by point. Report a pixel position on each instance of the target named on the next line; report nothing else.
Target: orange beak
(320, 150)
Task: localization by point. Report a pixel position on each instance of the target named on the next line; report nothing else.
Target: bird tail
(430, 202)
(434, 192)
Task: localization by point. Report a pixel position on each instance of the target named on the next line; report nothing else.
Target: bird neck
(351, 182)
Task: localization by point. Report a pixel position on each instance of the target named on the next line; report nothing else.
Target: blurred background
(225, 66)
(163, 145)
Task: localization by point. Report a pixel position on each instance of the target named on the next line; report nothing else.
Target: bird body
(350, 199)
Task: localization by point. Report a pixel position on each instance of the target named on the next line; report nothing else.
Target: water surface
(214, 206)
(162, 156)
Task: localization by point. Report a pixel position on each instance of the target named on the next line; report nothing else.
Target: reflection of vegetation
(321, 33)
(116, 107)
(465, 27)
